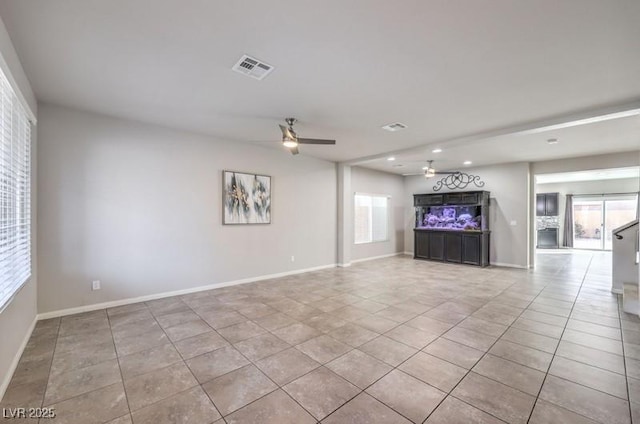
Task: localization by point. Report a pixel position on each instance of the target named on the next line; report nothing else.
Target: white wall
(376, 182)
(613, 160)
(139, 208)
(17, 318)
(509, 187)
(623, 185)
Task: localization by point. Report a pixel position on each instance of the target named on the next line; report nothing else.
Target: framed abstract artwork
(246, 198)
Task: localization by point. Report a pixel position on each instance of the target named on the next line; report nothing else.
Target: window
(15, 193)
(371, 213)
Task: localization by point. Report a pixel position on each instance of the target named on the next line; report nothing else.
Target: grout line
(44, 393)
(624, 358)
(113, 340)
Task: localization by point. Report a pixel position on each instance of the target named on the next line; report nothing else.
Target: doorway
(594, 219)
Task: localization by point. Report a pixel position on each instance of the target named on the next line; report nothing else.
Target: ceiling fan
(430, 172)
(291, 140)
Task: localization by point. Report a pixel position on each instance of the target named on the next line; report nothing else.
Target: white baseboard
(114, 303)
(372, 258)
(16, 358)
(509, 265)
(408, 253)
(345, 265)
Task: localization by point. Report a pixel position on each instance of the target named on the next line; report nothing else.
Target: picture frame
(246, 198)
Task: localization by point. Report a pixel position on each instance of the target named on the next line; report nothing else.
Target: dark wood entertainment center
(438, 241)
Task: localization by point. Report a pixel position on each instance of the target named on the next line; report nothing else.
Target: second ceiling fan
(429, 171)
(291, 140)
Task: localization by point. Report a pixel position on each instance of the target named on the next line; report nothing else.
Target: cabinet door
(453, 248)
(551, 204)
(471, 249)
(540, 205)
(422, 245)
(435, 199)
(452, 199)
(469, 198)
(436, 246)
(419, 200)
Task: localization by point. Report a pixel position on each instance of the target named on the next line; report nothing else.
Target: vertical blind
(371, 218)
(15, 193)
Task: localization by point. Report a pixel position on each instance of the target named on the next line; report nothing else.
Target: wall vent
(396, 126)
(252, 67)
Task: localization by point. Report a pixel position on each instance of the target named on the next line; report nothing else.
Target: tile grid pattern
(389, 341)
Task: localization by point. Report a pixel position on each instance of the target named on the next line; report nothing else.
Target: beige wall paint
(509, 187)
(17, 318)
(139, 208)
(374, 182)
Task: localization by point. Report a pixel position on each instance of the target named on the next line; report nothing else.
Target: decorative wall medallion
(459, 180)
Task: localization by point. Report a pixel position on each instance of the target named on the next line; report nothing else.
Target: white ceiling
(618, 135)
(592, 175)
(446, 68)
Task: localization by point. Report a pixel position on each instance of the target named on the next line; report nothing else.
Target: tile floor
(387, 341)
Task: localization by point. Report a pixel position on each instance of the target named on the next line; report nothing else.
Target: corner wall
(509, 187)
(138, 207)
(376, 182)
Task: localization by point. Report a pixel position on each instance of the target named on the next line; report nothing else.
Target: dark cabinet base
(548, 238)
(464, 247)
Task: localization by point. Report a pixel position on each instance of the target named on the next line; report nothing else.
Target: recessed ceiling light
(391, 158)
(552, 141)
(436, 151)
(424, 168)
(467, 162)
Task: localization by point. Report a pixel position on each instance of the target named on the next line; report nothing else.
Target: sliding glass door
(594, 218)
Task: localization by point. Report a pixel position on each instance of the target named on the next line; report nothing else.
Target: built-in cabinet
(452, 227)
(547, 204)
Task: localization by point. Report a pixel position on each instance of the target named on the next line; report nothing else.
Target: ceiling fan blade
(294, 151)
(315, 141)
(287, 133)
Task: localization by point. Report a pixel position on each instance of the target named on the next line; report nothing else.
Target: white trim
(344, 265)
(408, 253)
(509, 265)
(355, 261)
(114, 303)
(617, 291)
(16, 358)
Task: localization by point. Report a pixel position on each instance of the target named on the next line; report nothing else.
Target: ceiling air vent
(396, 126)
(252, 67)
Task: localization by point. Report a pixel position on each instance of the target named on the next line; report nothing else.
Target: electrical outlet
(293, 258)
(95, 285)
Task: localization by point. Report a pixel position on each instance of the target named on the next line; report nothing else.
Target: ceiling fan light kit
(291, 140)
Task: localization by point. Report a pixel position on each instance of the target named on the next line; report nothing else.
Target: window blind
(15, 193)
(371, 218)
